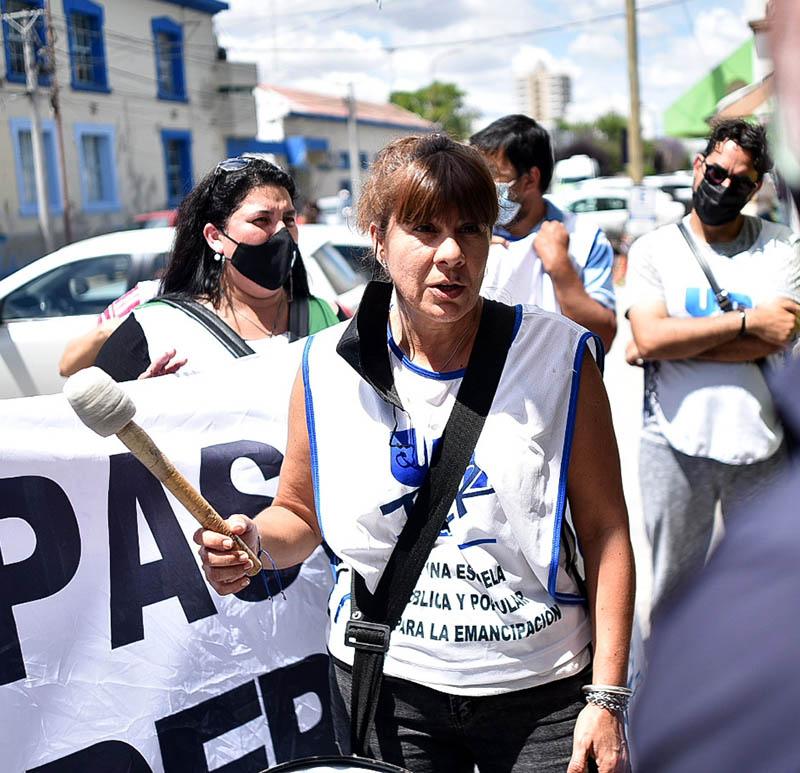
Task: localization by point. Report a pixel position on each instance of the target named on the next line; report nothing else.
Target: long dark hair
(192, 272)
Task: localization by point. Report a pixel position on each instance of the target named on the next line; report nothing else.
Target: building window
(22, 140)
(344, 159)
(168, 44)
(363, 160)
(177, 163)
(15, 45)
(98, 167)
(87, 49)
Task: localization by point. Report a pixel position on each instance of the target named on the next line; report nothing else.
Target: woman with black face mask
(235, 282)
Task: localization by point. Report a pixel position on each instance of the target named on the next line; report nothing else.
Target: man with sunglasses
(542, 255)
(711, 435)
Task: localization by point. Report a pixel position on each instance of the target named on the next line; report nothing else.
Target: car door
(38, 318)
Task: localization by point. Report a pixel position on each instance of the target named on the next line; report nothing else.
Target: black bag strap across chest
(723, 296)
(374, 616)
(223, 332)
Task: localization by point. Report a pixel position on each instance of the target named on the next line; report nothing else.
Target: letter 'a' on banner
(117, 655)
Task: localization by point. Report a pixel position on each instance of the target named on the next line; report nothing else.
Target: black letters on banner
(133, 585)
(216, 486)
(45, 507)
(182, 735)
(279, 688)
(114, 756)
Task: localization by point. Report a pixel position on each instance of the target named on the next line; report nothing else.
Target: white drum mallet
(104, 407)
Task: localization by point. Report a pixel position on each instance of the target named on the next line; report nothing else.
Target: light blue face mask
(508, 209)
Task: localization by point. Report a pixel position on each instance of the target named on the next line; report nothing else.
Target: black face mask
(716, 204)
(268, 264)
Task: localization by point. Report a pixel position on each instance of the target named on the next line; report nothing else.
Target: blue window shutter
(99, 188)
(96, 16)
(177, 145)
(18, 75)
(168, 49)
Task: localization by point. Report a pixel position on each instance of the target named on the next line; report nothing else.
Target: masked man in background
(547, 257)
(711, 434)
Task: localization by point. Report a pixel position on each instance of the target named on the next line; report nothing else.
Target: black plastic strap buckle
(366, 636)
(724, 300)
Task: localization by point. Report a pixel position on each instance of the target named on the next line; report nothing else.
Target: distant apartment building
(308, 132)
(149, 104)
(543, 95)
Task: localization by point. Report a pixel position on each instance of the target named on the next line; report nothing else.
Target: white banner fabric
(115, 654)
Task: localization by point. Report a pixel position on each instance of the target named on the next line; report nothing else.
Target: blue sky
(322, 45)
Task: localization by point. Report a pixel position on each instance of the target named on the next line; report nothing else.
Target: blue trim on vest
(517, 322)
(342, 602)
(449, 374)
(474, 542)
(569, 598)
(432, 374)
(312, 432)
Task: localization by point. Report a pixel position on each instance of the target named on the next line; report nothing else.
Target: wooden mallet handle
(104, 407)
(150, 455)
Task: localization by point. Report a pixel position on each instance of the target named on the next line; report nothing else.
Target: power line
(614, 15)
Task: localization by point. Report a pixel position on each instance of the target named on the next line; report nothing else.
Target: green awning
(687, 117)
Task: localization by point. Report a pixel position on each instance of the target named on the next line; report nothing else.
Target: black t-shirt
(125, 356)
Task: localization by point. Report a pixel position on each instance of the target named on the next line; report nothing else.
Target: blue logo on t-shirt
(709, 302)
(407, 466)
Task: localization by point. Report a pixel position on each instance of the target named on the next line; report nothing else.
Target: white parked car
(607, 206)
(59, 296)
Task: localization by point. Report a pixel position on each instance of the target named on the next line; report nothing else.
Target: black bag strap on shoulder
(722, 296)
(298, 318)
(374, 616)
(223, 332)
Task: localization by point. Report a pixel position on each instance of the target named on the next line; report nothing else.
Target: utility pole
(635, 154)
(56, 103)
(24, 22)
(352, 144)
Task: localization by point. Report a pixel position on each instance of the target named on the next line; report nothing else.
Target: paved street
(624, 384)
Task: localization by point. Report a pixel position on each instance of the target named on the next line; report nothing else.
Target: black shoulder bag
(374, 616)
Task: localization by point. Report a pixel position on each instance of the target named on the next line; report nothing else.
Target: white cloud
(320, 45)
(598, 44)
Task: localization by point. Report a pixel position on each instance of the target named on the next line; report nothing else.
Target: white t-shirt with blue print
(717, 410)
(515, 274)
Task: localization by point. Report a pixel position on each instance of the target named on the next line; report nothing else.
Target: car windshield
(336, 268)
(82, 287)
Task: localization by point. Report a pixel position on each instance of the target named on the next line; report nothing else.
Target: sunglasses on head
(740, 184)
(228, 165)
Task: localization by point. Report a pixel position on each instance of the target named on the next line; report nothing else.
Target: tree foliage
(604, 140)
(441, 103)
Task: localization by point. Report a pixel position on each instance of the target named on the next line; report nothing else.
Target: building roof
(747, 101)
(307, 103)
(688, 116)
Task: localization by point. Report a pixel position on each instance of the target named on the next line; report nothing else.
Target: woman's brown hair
(423, 178)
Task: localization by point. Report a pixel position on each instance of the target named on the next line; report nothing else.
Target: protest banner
(115, 654)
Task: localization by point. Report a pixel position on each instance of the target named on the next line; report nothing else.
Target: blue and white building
(148, 105)
(308, 133)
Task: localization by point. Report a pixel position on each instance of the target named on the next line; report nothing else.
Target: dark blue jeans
(427, 731)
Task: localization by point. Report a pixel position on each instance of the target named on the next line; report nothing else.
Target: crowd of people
(481, 340)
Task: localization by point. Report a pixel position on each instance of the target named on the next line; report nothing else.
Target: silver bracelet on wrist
(608, 696)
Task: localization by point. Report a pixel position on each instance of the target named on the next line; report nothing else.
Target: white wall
(137, 115)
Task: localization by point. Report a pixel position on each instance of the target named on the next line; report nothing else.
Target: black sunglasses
(228, 165)
(740, 184)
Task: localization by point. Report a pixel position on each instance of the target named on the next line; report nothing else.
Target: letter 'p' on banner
(116, 654)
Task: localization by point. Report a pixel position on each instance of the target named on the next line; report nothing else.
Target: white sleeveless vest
(497, 603)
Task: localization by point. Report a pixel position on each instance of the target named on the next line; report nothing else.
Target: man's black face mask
(267, 264)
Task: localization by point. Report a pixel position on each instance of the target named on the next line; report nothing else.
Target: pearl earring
(218, 256)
